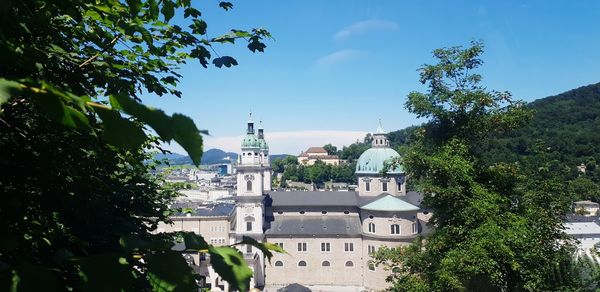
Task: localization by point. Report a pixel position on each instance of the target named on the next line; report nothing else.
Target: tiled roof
(300, 198)
(316, 150)
(313, 225)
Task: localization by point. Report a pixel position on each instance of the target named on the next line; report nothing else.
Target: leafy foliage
(495, 229)
(80, 204)
(117, 49)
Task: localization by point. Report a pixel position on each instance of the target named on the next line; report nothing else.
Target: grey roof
(327, 198)
(314, 225)
(206, 210)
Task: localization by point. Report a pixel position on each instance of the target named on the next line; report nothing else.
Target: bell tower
(253, 182)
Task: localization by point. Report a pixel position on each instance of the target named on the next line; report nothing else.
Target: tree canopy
(80, 205)
(494, 228)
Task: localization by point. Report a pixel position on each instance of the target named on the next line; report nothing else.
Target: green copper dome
(250, 141)
(262, 144)
(372, 160)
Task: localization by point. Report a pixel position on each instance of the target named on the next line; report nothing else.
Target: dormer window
(384, 187)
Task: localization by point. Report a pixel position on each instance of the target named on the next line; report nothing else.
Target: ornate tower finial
(379, 128)
(250, 129)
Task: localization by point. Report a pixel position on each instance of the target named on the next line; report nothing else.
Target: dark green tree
(79, 202)
(331, 150)
(493, 228)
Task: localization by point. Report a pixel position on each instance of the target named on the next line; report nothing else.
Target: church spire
(250, 125)
(261, 134)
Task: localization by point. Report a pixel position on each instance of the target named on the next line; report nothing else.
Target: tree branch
(94, 57)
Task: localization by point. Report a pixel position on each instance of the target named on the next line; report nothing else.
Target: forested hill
(564, 132)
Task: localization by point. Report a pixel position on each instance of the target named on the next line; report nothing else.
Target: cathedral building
(328, 235)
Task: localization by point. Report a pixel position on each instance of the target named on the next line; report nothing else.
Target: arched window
(394, 229)
(249, 186)
(279, 264)
(301, 264)
(371, 227)
(326, 264)
(349, 264)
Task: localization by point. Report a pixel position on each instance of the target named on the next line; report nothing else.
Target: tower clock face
(249, 177)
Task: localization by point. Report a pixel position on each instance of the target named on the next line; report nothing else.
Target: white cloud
(363, 27)
(338, 57)
(283, 142)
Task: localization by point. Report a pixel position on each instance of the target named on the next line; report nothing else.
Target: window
(371, 267)
(249, 186)
(326, 264)
(399, 186)
(279, 212)
(371, 249)
(368, 186)
(324, 212)
(301, 246)
(346, 212)
(371, 227)
(279, 264)
(349, 264)
(280, 244)
(370, 216)
(248, 248)
(394, 229)
(414, 228)
(325, 247)
(302, 212)
(384, 187)
(301, 264)
(248, 226)
(349, 247)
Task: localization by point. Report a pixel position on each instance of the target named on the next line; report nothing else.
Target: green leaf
(226, 61)
(119, 131)
(188, 136)
(168, 271)
(194, 241)
(106, 272)
(199, 26)
(9, 88)
(264, 247)
(155, 118)
(153, 9)
(49, 101)
(134, 242)
(168, 10)
(191, 11)
(226, 5)
(230, 265)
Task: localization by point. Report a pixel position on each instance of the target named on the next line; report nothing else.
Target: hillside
(564, 130)
(211, 156)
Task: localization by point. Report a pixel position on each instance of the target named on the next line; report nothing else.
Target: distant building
(329, 236)
(586, 208)
(586, 231)
(310, 156)
(214, 222)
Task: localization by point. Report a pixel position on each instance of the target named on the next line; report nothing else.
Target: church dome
(250, 141)
(372, 160)
(262, 144)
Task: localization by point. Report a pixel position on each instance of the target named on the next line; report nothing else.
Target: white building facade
(328, 235)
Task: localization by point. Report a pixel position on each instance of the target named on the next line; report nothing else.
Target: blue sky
(335, 67)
